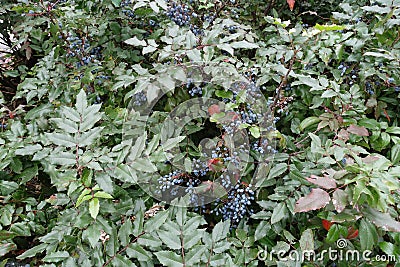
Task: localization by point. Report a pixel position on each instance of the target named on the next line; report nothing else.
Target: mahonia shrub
(199, 133)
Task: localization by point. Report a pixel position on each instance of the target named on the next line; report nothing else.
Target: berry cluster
(80, 48)
(127, 12)
(178, 184)
(193, 89)
(352, 76)
(139, 99)
(101, 78)
(180, 14)
(236, 205)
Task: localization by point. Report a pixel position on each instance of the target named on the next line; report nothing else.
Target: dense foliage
(199, 133)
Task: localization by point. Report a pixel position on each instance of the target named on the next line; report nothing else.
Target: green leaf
(139, 253)
(279, 213)
(262, 230)
(369, 124)
(60, 139)
(101, 194)
(333, 233)
(243, 44)
(56, 256)
(339, 200)
(194, 255)
(138, 148)
(169, 259)
(307, 240)
(89, 121)
(181, 215)
(277, 170)
(21, 229)
(81, 199)
(155, 222)
(224, 94)
(387, 247)
(192, 238)
(104, 181)
(395, 154)
(368, 235)
(144, 165)
(329, 27)
(307, 122)
(380, 219)
(33, 251)
(124, 232)
(255, 131)
(170, 239)
(28, 150)
(148, 49)
(241, 234)
(87, 176)
(172, 142)
(116, 3)
(70, 113)
(393, 130)
(63, 158)
(328, 94)
(308, 80)
(28, 174)
(81, 102)
(220, 230)
(121, 261)
(149, 240)
(94, 207)
(92, 233)
(66, 125)
(135, 42)
(7, 187)
(6, 247)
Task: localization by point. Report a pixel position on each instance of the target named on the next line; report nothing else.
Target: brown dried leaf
(358, 130)
(324, 182)
(317, 199)
(291, 4)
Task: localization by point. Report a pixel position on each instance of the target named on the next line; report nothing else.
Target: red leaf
(326, 224)
(324, 182)
(317, 199)
(352, 233)
(358, 130)
(215, 165)
(291, 4)
(213, 109)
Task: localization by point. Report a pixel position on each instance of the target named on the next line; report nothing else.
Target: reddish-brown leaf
(326, 224)
(291, 4)
(324, 182)
(317, 199)
(358, 130)
(352, 233)
(213, 109)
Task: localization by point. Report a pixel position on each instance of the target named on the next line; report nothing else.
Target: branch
(123, 249)
(283, 81)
